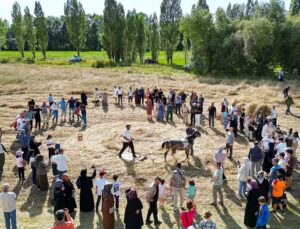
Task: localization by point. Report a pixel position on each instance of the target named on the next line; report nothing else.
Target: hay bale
(251, 108)
(264, 109)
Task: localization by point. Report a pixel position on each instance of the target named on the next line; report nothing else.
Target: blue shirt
(191, 190)
(50, 99)
(63, 104)
(273, 172)
(263, 216)
(23, 140)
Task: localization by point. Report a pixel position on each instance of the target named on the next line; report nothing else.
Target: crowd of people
(264, 176)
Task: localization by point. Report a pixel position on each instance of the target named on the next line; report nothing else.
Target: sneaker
(149, 222)
(157, 223)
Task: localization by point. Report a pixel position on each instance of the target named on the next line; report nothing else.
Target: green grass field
(62, 57)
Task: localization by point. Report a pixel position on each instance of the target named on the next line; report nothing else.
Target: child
(191, 190)
(116, 185)
(162, 193)
(100, 182)
(32, 164)
(263, 214)
(50, 145)
(20, 164)
(282, 161)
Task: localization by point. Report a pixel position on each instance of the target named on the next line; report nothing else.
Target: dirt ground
(102, 140)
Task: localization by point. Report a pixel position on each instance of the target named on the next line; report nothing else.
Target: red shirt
(66, 225)
(187, 217)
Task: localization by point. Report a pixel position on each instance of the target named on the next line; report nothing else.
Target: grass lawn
(101, 139)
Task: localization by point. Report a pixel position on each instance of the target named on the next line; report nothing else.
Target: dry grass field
(101, 139)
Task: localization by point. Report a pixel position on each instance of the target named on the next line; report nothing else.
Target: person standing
(85, 184)
(63, 107)
(133, 218)
(45, 115)
(100, 183)
(61, 161)
(217, 184)
(142, 95)
(54, 108)
(72, 104)
(116, 186)
(20, 164)
(69, 193)
(212, 113)
(130, 95)
(41, 172)
(289, 102)
(278, 187)
(170, 109)
(252, 206)
(290, 163)
(286, 92)
(8, 205)
(37, 117)
(161, 111)
(229, 142)
(51, 101)
(152, 198)
(220, 156)
(84, 98)
(263, 214)
(108, 208)
(185, 113)
(120, 96)
(274, 116)
(243, 174)
(255, 156)
(177, 184)
(178, 103)
(2, 156)
(127, 142)
(263, 185)
(83, 114)
(149, 110)
(23, 140)
(242, 120)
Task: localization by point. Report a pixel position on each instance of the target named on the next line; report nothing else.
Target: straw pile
(254, 109)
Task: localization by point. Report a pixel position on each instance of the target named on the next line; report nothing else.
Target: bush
(103, 64)
(4, 61)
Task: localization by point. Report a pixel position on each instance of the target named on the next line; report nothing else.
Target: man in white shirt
(120, 96)
(61, 161)
(100, 182)
(130, 94)
(8, 205)
(281, 146)
(127, 142)
(54, 108)
(274, 116)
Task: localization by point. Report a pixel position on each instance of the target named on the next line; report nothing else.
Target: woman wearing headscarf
(252, 206)
(160, 112)
(85, 184)
(108, 207)
(243, 174)
(133, 218)
(34, 145)
(59, 195)
(263, 185)
(137, 98)
(149, 110)
(69, 192)
(41, 172)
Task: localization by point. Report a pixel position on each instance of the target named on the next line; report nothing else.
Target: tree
(170, 14)
(259, 41)
(18, 27)
(3, 33)
(113, 30)
(94, 23)
(154, 38)
(131, 37)
(295, 7)
(30, 34)
(249, 9)
(202, 5)
(141, 37)
(76, 24)
(41, 28)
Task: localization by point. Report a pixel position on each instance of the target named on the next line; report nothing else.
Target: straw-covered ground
(101, 139)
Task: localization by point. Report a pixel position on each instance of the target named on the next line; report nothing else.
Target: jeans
(181, 192)
(55, 115)
(257, 165)
(171, 116)
(217, 189)
(152, 210)
(84, 118)
(10, 220)
(288, 109)
(242, 187)
(177, 108)
(71, 113)
(63, 114)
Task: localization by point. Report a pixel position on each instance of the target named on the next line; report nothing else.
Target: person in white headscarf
(220, 156)
(263, 184)
(243, 174)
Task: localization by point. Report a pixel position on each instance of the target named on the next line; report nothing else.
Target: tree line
(243, 38)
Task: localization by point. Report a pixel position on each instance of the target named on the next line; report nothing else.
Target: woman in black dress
(252, 206)
(69, 191)
(133, 218)
(85, 184)
(263, 185)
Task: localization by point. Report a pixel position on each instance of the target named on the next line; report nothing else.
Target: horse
(184, 144)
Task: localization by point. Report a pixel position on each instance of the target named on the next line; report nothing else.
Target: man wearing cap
(8, 205)
(152, 197)
(63, 220)
(127, 142)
